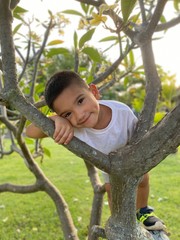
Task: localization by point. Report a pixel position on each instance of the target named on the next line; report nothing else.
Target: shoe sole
(156, 226)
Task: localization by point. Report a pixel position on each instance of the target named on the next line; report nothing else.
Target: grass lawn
(33, 216)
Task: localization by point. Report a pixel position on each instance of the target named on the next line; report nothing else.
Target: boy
(104, 125)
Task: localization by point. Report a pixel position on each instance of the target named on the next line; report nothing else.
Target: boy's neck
(105, 115)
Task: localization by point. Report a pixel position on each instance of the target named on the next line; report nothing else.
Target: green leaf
(18, 16)
(47, 152)
(45, 110)
(125, 63)
(177, 4)
(137, 104)
(73, 12)
(91, 11)
(17, 28)
(85, 7)
(75, 39)
(134, 18)
(29, 141)
(50, 13)
(110, 38)
(89, 79)
(56, 51)
(163, 19)
(19, 10)
(126, 81)
(131, 58)
(55, 42)
(158, 116)
(86, 37)
(127, 6)
(39, 88)
(141, 67)
(92, 53)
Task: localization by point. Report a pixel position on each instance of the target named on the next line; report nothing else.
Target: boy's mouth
(84, 120)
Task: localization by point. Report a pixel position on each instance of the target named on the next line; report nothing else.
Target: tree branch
(143, 13)
(163, 138)
(155, 17)
(7, 187)
(8, 59)
(93, 156)
(8, 124)
(24, 60)
(109, 71)
(167, 25)
(153, 86)
(38, 57)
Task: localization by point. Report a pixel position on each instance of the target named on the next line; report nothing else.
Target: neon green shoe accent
(145, 216)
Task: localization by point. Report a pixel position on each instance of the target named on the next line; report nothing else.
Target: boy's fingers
(58, 134)
(69, 138)
(64, 137)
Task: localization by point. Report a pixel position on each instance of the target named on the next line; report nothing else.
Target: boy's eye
(80, 100)
(67, 115)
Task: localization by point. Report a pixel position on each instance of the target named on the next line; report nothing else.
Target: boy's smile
(80, 107)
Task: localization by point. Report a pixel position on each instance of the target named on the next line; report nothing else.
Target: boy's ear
(95, 91)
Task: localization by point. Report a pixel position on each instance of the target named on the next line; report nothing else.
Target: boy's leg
(145, 214)
(143, 192)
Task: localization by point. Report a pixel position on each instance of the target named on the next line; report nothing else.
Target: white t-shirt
(115, 135)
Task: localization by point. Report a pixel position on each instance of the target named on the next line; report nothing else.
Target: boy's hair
(58, 82)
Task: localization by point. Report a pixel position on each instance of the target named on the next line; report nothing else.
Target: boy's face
(79, 106)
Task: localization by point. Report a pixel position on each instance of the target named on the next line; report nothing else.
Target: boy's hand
(64, 131)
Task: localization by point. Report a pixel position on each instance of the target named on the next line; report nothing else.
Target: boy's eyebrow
(76, 99)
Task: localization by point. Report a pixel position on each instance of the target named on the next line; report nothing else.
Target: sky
(166, 50)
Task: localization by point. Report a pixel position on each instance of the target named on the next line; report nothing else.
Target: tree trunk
(122, 224)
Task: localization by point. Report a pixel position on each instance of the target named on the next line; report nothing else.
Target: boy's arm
(34, 132)
(63, 133)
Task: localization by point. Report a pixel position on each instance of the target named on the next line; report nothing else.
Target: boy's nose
(77, 113)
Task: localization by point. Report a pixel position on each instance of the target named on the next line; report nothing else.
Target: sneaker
(149, 220)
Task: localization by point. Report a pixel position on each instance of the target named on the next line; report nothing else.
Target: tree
(149, 145)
